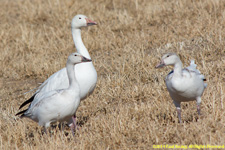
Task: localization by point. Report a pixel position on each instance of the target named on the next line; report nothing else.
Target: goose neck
(71, 76)
(178, 69)
(76, 33)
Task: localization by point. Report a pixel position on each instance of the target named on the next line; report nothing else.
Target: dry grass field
(130, 107)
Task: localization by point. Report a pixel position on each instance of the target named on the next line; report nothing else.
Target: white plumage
(183, 84)
(86, 74)
(57, 105)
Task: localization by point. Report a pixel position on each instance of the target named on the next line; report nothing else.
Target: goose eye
(79, 17)
(75, 55)
(168, 56)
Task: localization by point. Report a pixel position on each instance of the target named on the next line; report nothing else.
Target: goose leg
(45, 127)
(76, 126)
(179, 114)
(74, 118)
(72, 124)
(199, 109)
(72, 129)
(61, 125)
(177, 104)
(198, 105)
(45, 130)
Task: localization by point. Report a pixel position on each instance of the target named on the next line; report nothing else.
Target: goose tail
(21, 113)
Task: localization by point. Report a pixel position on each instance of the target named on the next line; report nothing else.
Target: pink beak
(90, 22)
(161, 64)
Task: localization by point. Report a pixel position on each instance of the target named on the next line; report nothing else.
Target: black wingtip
(27, 101)
(21, 112)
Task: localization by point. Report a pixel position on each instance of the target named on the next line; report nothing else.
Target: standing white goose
(183, 84)
(57, 105)
(87, 76)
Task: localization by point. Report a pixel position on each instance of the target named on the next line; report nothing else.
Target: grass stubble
(130, 107)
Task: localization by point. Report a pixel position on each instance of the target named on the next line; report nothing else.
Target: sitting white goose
(183, 84)
(87, 76)
(57, 105)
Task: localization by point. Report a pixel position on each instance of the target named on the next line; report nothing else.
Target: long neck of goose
(76, 33)
(71, 75)
(178, 69)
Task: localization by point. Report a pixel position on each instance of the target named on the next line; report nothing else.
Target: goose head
(76, 58)
(81, 21)
(168, 59)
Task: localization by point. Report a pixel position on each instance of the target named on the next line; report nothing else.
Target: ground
(130, 107)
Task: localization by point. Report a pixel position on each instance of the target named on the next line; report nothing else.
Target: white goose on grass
(86, 76)
(183, 84)
(57, 105)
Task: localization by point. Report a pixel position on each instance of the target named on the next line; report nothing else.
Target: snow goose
(183, 84)
(87, 76)
(57, 105)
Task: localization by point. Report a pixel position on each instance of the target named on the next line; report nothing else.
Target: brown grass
(130, 108)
